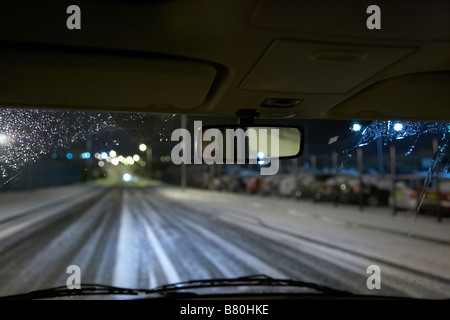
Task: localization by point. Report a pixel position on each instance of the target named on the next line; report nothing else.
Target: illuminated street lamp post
(436, 152)
(360, 164)
(89, 160)
(334, 158)
(148, 158)
(183, 165)
(393, 154)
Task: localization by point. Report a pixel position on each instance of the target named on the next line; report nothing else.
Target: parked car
(437, 199)
(252, 184)
(405, 195)
(325, 188)
(347, 188)
(367, 190)
(268, 185)
(305, 186)
(288, 185)
(238, 184)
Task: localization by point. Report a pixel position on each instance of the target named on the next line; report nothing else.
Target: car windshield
(119, 199)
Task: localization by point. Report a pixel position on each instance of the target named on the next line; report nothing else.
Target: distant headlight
(127, 177)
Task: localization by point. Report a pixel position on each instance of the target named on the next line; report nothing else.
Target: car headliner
(217, 57)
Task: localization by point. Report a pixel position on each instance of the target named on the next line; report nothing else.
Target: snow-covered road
(146, 237)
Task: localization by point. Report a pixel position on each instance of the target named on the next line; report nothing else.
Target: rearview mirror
(241, 144)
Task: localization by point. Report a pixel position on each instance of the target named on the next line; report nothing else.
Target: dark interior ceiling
(220, 56)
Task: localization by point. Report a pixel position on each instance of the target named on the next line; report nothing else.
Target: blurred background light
(127, 177)
(142, 147)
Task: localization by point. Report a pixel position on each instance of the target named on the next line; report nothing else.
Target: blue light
(356, 127)
(127, 177)
(85, 155)
(54, 156)
(398, 127)
(260, 156)
(69, 156)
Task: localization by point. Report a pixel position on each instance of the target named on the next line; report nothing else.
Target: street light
(398, 127)
(148, 158)
(260, 156)
(115, 161)
(356, 127)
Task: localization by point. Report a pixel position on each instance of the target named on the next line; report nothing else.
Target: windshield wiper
(173, 290)
(85, 290)
(253, 280)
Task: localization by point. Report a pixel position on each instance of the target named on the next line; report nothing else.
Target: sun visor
(420, 96)
(104, 79)
(293, 66)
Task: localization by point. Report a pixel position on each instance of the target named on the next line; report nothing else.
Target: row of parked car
(366, 190)
(411, 190)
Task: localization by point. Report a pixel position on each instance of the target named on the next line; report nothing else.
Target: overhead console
(293, 66)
